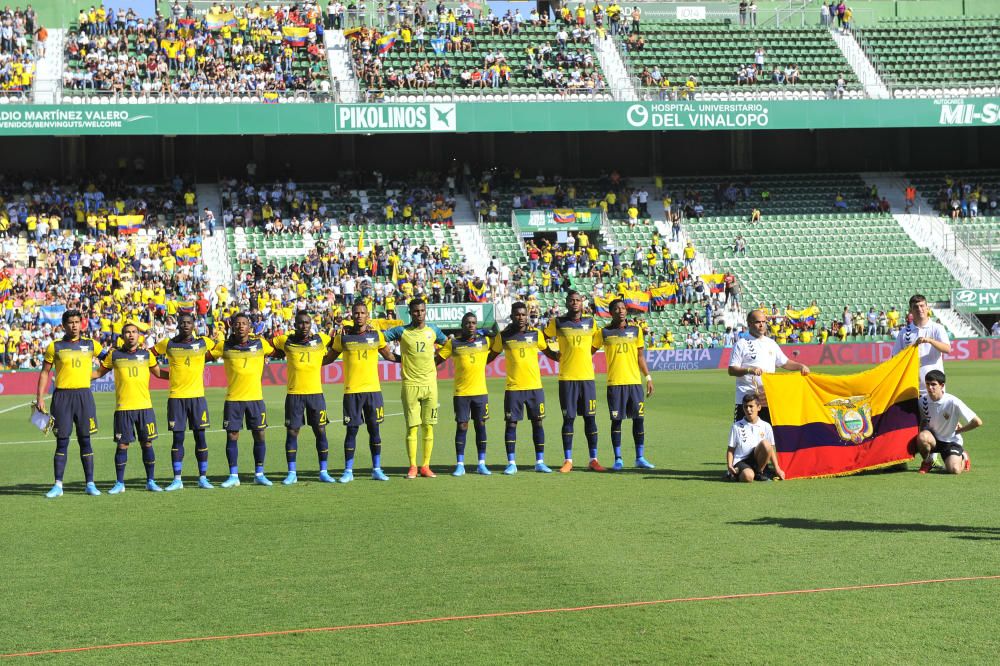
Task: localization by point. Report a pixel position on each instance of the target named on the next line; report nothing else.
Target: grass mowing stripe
(486, 616)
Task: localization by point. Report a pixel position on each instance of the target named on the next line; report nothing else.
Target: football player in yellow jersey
(624, 350)
(361, 346)
(471, 351)
(186, 354)
(577, 392)
(134, 415)
(72, 402)
(243, 356)
(417, 343)
(520, 344)
(306, 354)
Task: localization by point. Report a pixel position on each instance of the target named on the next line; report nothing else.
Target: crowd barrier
(971, 349)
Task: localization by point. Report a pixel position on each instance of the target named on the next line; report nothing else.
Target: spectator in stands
(847, 18)
(840, 87)
(792, 74)
(759, 56)
(739, 246)
(778, 76)
(995, 329)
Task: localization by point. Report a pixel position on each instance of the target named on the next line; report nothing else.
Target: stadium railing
(89, 96)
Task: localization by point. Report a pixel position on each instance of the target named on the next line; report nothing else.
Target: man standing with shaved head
(754, 356)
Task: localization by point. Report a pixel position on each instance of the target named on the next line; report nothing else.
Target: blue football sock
(177, 452)
(86, 457)
(616, 438)
(201, 451)
(121, 458)
(639, 435)
(291, 450)
(148, 460)
(538, 438)
(375, 444)
(481, 440)
(259, 452)
(59, 460)
(510, 440)
(233, 454)
(322, 447)
(350, 442)
(567, 438)
(590, 430)
(460, 436)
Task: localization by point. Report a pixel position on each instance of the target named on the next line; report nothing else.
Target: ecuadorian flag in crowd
(295, 35)
(127, 224)
(601, 304)
(804, 318)
(477, 294)
(220, 20)
(715, 282)
(637, 300)
(826, 425)
(663, 296)
(386, 42)
(564, 216)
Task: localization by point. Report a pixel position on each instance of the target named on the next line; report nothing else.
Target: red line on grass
(516, 613)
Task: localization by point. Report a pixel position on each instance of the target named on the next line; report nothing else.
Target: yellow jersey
(186, 361)
(470, 363)
(360, 354)
(244, 367)
(416, 346)
(304, 362)
(621, 350)
(73, 361)
(131, 378)
(576, 339)
(520, 351)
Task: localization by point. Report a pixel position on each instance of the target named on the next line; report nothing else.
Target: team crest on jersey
(852, 418)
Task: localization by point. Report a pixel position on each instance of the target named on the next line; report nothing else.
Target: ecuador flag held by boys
(826, 425)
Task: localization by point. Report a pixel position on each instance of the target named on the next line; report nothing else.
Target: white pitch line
(10, 409)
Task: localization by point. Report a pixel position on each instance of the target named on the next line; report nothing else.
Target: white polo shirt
(941, 417)
(930, 357)
(763, 353)
(744, 437)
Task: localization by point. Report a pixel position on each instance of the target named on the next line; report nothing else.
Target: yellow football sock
(411, 445)
(428, 444)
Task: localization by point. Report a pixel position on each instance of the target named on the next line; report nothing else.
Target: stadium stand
(713, 53)
(915, 56)
(533, 62)
(250, 53)
(17, 52)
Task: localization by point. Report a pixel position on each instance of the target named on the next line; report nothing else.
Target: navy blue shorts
(516, 402)
(577, 397)
(471, 407)
(363, 408)
(184, 412)
(750, 462)
(237, 412)
(133, 423)
(948, 449)
(74, 407)
(626, 402)
(301, 409)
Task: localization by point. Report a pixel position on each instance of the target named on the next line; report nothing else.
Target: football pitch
(144, 567)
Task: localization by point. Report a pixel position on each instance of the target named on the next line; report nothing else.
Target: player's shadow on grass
(40, 489)
(959, 531)
(665, 474)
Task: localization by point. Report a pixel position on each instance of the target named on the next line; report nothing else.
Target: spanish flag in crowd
(636, 300)
(715, 282)
(804, 318)
(385, 43)
(295, 35)
(477, 294)
(601, 305)
(827, 425)
(220, 20)
(127, 224)
(665, 295)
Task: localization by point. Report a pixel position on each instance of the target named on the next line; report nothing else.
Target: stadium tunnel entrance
(306, 157)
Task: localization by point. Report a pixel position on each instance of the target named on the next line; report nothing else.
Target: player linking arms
(577, 392)
(186, 405)
(626, 358)
(361, 345)
(134, 415)
(243, 355)
(307, 353)
(520, 345)
(419, 394)
(471, 352)
(72, 403)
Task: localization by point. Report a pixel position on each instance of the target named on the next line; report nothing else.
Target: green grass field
(83, 571)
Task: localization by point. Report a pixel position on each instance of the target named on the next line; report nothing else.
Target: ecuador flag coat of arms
(834, 425)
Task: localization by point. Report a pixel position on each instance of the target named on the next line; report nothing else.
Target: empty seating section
(503, 243)
(713, 52)
(935, 53)
(837, 260)
(571, 79)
